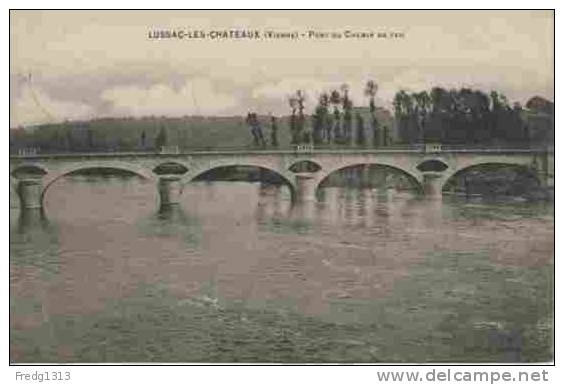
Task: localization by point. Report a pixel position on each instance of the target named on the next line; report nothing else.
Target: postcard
(282, 187)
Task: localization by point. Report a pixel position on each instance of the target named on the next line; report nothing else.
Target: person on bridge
(256, 130)
(249, 122)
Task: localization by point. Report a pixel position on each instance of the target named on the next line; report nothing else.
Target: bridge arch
(167, 168)
(285, 176)
(523, 167)
(28, 170)
(305, 166)
(414, 178)
(434, 165)
(52, 177)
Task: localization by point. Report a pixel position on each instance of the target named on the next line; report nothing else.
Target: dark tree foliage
(143, 139)
(462, 116)
(320, 121)
(360, 134)
(273, 132)
(317, 124)
(90, 139)
(385, 136)
(69, 143)
(541, 105)
(335, 100)
(300, 123)
(458, 116)
(347, 115)
(370, 90)
(325, 118)
(293, 102)
(161, 139)
(375, 132)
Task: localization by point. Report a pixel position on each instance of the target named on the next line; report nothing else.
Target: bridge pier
(305, 187)
(432, 185)
(170, 190)
(29, 192)
(545, 170)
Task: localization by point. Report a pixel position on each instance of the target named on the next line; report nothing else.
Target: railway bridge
(429, 169)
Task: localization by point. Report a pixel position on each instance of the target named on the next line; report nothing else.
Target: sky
(77, 65)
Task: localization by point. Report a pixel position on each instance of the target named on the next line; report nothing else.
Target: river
(239, 274)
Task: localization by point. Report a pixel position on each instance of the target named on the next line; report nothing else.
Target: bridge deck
(285, 152)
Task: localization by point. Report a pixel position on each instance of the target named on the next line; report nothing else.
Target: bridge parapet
(278, 161)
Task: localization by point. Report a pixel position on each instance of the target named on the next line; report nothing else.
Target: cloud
(274, 95)
(35, 106)
(195, 97)
(96, 64)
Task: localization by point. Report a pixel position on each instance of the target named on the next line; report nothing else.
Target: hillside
(126, 134)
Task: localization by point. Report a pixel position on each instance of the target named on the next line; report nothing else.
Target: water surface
(238, 273)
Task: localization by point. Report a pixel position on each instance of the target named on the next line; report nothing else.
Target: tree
(306, 137)
(397, 103)
(370, 90)
(360, 136)
(90, 139)
(54, 140)
(540, 104)
(143, 139)
(402, 119)
(300, 126)
(406, 112)
(273, 132)
(375, 132)
(335, 100)
(293, 102)
(422, 106)
(440, 100)
(385, 136)
(323, 115)
(161, 139)
(497, 102)
(540, 121)
(69, 145)
(317, 124)
(500, 120)
(121, 144)
(347, 114)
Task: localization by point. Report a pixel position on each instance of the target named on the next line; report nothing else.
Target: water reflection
(37, 256)
(172, 221)
(275, 215)
(30, 220)
(273, 201)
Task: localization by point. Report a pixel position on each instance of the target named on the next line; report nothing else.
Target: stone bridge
(31, 176)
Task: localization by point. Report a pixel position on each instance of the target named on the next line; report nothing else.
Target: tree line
(456, 116)
(460, 116)
(335, 121)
